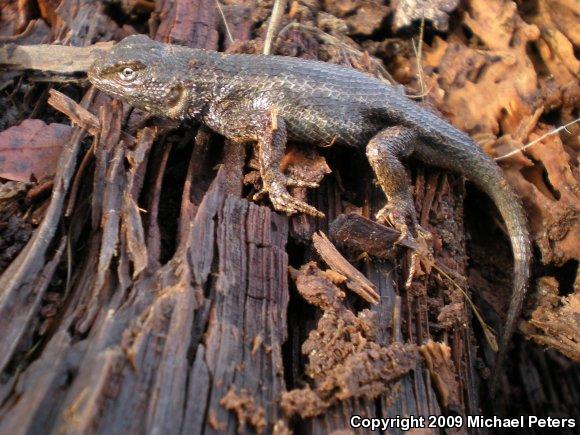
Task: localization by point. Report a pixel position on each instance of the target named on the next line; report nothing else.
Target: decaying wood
(147, 294)
(554, 321)
(29, 274)
(364, 235)
(437, 357)
(344, 358)
(436, 11)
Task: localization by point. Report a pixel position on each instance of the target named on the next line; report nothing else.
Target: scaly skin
(269, 99)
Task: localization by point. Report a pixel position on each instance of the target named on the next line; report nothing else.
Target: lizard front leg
(384, 152)
(268, 130)
(271, 147)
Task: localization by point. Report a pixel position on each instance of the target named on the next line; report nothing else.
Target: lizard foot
(401, 217)
(286, 203)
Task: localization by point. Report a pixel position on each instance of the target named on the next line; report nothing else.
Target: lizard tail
(456, 151)
(493, 182)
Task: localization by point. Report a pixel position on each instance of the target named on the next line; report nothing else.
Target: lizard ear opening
(177, 101)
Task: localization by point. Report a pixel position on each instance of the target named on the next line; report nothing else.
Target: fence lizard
(270, 99)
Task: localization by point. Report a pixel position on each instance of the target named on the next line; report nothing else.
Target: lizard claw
(400, 217)
(284, 202)
(403, 218)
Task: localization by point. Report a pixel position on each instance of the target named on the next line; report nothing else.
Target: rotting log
(153, 297)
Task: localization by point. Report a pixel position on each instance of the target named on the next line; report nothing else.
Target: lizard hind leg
(385, 152)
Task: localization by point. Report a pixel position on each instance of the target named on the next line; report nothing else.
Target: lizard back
(327, 104)
(321, 103)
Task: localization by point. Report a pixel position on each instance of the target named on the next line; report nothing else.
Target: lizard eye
(127, 74)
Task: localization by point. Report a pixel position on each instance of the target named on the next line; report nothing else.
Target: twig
(356, 282)
(69, 262)
(277, 12)
(220, 9)
(535, 141)
(75, 112)
(51, 59)
(419, 54)
(396, 320)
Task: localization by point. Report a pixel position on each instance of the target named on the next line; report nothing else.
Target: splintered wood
(344, 359)
(356, 281)
(76, 113)
(144, 289)
(361, 234)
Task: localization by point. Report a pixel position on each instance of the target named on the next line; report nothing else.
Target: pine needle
(277, 12)
(488, 332)
(535, 141)
(221, 11)
(418, 48)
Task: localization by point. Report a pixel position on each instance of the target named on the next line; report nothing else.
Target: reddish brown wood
(153, 297)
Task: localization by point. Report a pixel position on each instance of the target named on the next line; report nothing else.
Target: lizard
(267, 100)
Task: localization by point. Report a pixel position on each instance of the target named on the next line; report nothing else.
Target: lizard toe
(286, 203)
(400, 217)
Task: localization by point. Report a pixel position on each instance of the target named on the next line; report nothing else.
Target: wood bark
(154, 297)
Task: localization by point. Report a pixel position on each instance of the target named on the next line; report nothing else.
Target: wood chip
(357, 282)
(77, 113)
(362, 234)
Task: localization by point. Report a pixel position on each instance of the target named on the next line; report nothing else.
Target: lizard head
(144, 73)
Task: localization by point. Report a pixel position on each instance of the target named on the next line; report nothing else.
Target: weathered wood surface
(154, 298)
(51, 59)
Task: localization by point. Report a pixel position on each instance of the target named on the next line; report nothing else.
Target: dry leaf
(31, 150)
(436, 11)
